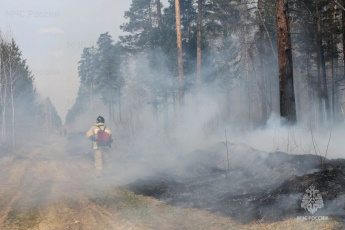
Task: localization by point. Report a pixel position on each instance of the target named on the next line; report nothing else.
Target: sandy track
(46, 188)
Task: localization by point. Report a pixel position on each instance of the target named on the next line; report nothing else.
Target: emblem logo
(312, 200)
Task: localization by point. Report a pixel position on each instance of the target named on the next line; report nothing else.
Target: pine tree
(108, 81)
(141, 25)
(287, 96)
(18, 97)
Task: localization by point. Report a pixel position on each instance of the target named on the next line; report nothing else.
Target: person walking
(102, 140)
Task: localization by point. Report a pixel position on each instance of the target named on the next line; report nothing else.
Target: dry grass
(45, 190)
(149, 213)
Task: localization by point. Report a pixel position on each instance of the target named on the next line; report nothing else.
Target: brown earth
(44, 187)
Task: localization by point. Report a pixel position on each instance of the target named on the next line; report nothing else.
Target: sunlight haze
(52, 35)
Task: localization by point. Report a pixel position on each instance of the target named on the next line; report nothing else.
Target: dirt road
(44, 187)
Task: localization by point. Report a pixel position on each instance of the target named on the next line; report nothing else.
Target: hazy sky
(52, 35)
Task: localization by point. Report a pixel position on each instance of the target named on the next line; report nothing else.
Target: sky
(52, 34)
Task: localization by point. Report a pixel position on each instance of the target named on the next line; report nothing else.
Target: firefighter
(102, 139)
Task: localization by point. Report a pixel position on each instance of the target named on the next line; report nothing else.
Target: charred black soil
(259, 185)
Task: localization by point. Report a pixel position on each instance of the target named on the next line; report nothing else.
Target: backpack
(103, 138)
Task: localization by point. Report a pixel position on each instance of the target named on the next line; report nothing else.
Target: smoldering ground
(178, 154)
(269, 168)
(213, 153)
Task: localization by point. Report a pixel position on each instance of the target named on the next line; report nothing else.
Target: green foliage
(155, 51)
(239, 42)
(142, 20)
(21, 109)
(107, 80)
(100, 73)
(80, 106)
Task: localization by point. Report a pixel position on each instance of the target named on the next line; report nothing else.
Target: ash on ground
(258, 185)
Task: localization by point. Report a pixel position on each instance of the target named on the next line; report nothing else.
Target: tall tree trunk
(261, 10)
(311, 105)
(286, 86)
(343, 33)
(180, 54)
(150, 14)
(262, 59)
(266, 107)
(200, 2)
(248, 85)
(260, 87)
(261, 14)
(166, 112)
(271, 94)
(298, 82)
(228, 103)
(4, 106)
(334, 63)
(242, 81)
(325, 85)
(322, 61)
(1, 87)
(159, 16)
(333, 90)
(91, 97)
(333, 52)
(319, 86)
(11, 82)
(13, 114)
(336, 93)
(120, 109)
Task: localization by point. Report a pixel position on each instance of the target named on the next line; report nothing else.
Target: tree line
(23, 114)
(263, 57)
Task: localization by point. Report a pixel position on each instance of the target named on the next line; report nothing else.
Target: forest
(235, 52)
(217, 114)
(22, 108)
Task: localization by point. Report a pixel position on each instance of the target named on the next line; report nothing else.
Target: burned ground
(259, 186)
(46, 187)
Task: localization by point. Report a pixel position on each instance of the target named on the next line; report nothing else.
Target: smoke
(156, 129)
(159, 138)
(183, 146)
(153, 142)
